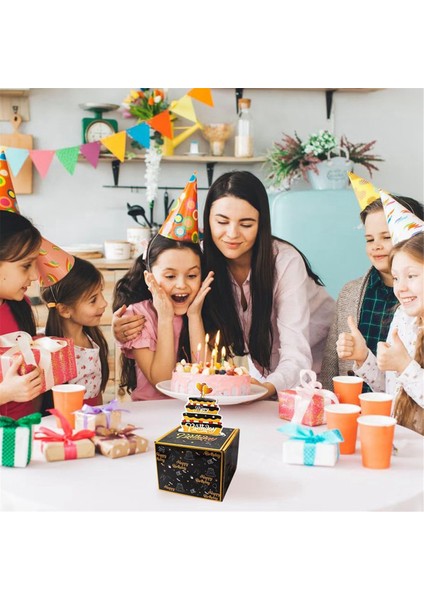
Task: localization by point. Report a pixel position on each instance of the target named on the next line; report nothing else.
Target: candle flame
(217, 338)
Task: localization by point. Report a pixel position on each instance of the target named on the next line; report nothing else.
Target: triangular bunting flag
(184, 108)
(141, 134)
(91, 152)
(68, 157)
(116, 144)
(16, 158)
(162, 123)
(42, 160)
(202, 95)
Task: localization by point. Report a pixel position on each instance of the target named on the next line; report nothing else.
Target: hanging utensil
(135, 211)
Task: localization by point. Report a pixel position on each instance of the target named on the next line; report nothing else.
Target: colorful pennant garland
(116, 143)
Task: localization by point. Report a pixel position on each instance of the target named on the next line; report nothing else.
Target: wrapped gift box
(65, 445)
(197, 464)
(117, 443)
(16, 440)
(54, 355)
(305, 404)
(306, 448)
(68, 450)
(106, 415)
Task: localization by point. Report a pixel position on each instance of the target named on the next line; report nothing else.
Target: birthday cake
(201, 415)
(226, 380)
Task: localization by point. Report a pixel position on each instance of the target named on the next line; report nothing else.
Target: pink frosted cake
(225, 381)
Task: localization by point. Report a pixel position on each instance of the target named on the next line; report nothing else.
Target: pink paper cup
(347, 388)
(376, 403)
(68, 398)
(376, 433)
(344, 417)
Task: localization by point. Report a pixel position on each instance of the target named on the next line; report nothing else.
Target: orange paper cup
(344, 417)
(376, 403)
(67, 398)
(376, 433)
(347, 388)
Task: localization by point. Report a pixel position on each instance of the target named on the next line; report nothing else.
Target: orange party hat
(365, 192)
(182, 222)
(7, 193)
(53, 263)
(402, 223)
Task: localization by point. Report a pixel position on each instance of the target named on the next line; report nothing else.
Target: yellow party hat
(182, 222)
(7, 193)
(365, 192)
(53, 263)
(402, 223)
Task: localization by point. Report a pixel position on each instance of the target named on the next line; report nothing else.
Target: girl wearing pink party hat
(398, 367)
(166, 286)
(73, 291)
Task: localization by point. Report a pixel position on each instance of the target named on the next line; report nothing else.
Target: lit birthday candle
(223, 353)
(206, 347)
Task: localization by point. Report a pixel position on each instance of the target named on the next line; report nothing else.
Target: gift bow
(44, 434)
(9, 438)
(305, 434)
(306, 390)
(114, 434)
(21, 342)
(106, 409)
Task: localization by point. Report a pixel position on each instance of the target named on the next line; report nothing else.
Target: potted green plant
(318, 160)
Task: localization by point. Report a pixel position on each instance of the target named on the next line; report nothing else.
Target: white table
(262, 482)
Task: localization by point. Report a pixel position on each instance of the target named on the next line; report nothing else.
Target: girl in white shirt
(398, 367)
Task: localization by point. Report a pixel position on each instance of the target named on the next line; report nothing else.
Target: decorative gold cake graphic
(201, 415)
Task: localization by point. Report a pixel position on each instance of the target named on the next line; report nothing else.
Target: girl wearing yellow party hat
(165, 286)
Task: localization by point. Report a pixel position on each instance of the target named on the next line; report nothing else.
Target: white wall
(78, 209)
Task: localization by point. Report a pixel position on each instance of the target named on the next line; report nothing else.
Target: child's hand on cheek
(195, 307)
(161, 300)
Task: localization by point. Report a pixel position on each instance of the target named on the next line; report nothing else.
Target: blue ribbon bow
(305, 434)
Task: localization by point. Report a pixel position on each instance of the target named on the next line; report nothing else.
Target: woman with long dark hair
(266, 300)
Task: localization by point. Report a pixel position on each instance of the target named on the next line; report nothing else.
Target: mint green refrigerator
(325, 226)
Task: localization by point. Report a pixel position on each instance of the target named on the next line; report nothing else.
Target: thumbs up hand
(394, 356)
(352, 345)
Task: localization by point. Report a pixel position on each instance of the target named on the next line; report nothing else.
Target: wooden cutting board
(23, 181)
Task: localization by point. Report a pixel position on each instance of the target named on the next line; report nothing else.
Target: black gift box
(197, 464)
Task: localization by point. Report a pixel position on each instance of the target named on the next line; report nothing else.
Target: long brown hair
(407, 412)
(79, 283)
(18, 239)
(132, 288)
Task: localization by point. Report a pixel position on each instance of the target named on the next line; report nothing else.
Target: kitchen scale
(96, 128)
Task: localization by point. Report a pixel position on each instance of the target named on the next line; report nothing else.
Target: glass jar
(243, 147)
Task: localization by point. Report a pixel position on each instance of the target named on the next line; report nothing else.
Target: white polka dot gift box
(117, 443)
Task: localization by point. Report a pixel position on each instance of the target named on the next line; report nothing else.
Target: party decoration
(53, 263)
(68, 157)
(202, 94)
(364, 191)
(184, 108)
(7, 192)
(91, 151)
(402, 223)
(182, 222)
(150, 128)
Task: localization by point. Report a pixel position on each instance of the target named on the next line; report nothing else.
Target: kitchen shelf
(209, 161)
